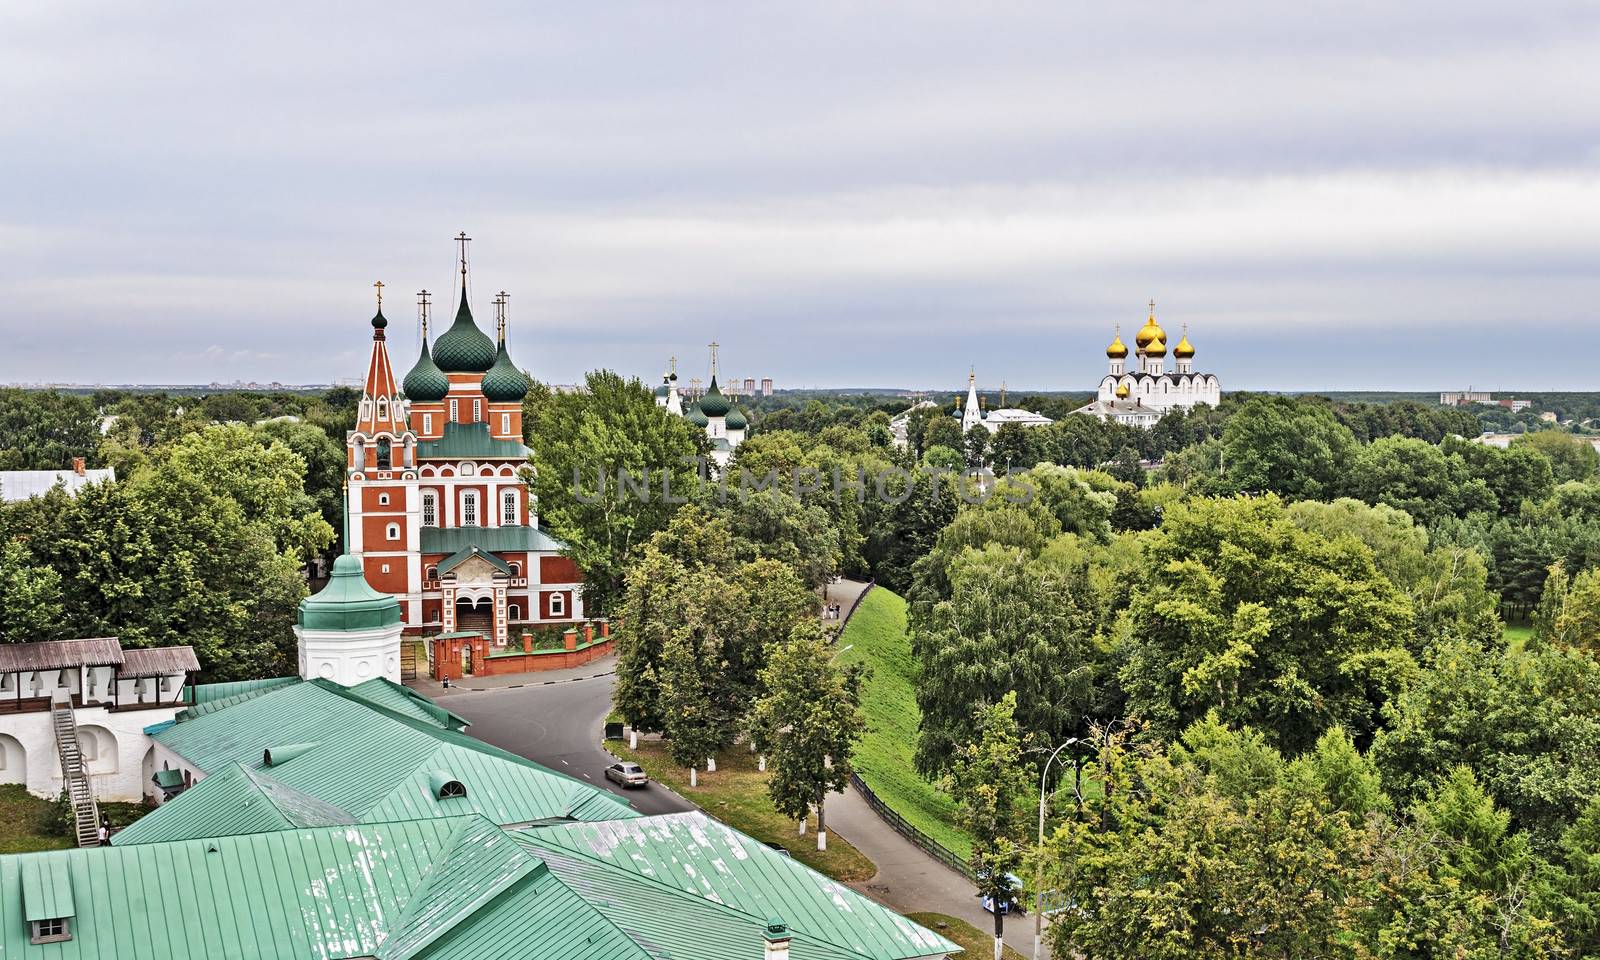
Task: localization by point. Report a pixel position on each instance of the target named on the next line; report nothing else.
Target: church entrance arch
(475, 615)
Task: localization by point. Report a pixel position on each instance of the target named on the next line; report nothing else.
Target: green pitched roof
(464, 348)
(206, 692)
(385, 693)
(472, 550)
(490, 539)
(425, 381)
(444, 889)
(504, 383)
(700, 888)
(470, 441)
(376, 769)
(348, 602)
(231, 801)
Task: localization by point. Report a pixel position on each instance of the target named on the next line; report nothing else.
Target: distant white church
(1144, 395)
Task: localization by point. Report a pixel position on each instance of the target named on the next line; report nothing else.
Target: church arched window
(469, 508)
(392, 531)
(430, 508)
(508, 508)
(385, 456)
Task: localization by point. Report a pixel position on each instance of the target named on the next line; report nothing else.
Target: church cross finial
(422, 311)
(714, 346)
(379, 286)
(462, 239)
(1152, 308)
(500, 301)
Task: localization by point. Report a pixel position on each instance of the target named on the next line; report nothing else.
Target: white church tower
(349, 632)
(971, 415)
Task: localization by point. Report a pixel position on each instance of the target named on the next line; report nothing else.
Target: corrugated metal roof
(56, 654)
(389, 695)
(702, 861)
(481, 863)
(22, 484)
(386, 890)
(496, 539)
(46, 891)
(231, 801)
(375, 769)
(207, 692)
(157, 661)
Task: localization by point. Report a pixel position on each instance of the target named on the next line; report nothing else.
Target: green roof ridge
(479, 863)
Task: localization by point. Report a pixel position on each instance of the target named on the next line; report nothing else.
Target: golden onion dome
(1150, 331)
(1184, 350)
(1156, 347)
(1118, 349)
(1122, 391)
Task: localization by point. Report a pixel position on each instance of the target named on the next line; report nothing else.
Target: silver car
(627, 774)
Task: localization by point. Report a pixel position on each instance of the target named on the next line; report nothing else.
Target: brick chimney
(77, 465)
(777, 940)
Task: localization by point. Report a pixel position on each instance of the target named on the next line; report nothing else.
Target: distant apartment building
(766, 386)
(1460, 398)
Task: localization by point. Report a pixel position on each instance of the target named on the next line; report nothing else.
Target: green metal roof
(376, 768)
(736, 419)
(455, 560)
(444, 889)
(389, 695)
(463, 348)
(692, 884)
(425, 381)
(504, 383)
(694, 416)
(348, 602)
(206, 692)
(490, 539)
(46, 891)
(470, 441)
(235, 800)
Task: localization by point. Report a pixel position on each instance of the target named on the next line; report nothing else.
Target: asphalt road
(560, 726)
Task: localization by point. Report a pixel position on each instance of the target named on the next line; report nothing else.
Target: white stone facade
(350, 657)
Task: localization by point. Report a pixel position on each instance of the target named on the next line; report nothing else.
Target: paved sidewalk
(909, 880)
(432, 689)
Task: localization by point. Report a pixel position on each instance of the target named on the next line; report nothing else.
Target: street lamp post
(1038, 867)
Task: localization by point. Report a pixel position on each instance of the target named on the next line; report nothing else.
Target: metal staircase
(74, 779)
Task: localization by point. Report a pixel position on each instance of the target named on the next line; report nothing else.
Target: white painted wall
(118, 741)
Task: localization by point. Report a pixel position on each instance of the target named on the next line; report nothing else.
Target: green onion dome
(504, 383)
(425, 382)
(714, 404)
(379, 321)
(464, 348)
(694, 416)
(736, 420)
(348, 602)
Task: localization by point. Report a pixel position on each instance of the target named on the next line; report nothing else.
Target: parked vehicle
(1013, 902)
(627, 774)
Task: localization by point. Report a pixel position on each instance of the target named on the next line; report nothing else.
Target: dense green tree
(807, 723)
(325, 464)
(45, 429)
(1284, 446)
(997, 521)
(909, 508)
(203, 546)
(975, 446)
(1571, 457)
(942, 432)
(1071, 497)
(991, 784)
(1417, 477)
(30, 596)
(774, 524)
(1526, 723)
(1245, 613)
(1011, 624)
(583, 436)
(1012, 448)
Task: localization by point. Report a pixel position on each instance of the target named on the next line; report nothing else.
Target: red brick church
(440, 515)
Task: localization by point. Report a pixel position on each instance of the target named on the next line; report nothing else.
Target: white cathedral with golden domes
(1144, 395)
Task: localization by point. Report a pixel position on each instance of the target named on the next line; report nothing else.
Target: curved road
(558, 725)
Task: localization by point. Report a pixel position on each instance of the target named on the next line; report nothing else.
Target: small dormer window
(54, 930)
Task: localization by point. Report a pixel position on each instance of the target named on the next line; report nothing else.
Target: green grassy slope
(877, 638)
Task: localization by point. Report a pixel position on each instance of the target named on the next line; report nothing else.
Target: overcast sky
(1331, 196)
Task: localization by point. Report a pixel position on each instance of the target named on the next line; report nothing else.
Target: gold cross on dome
(379, 286)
